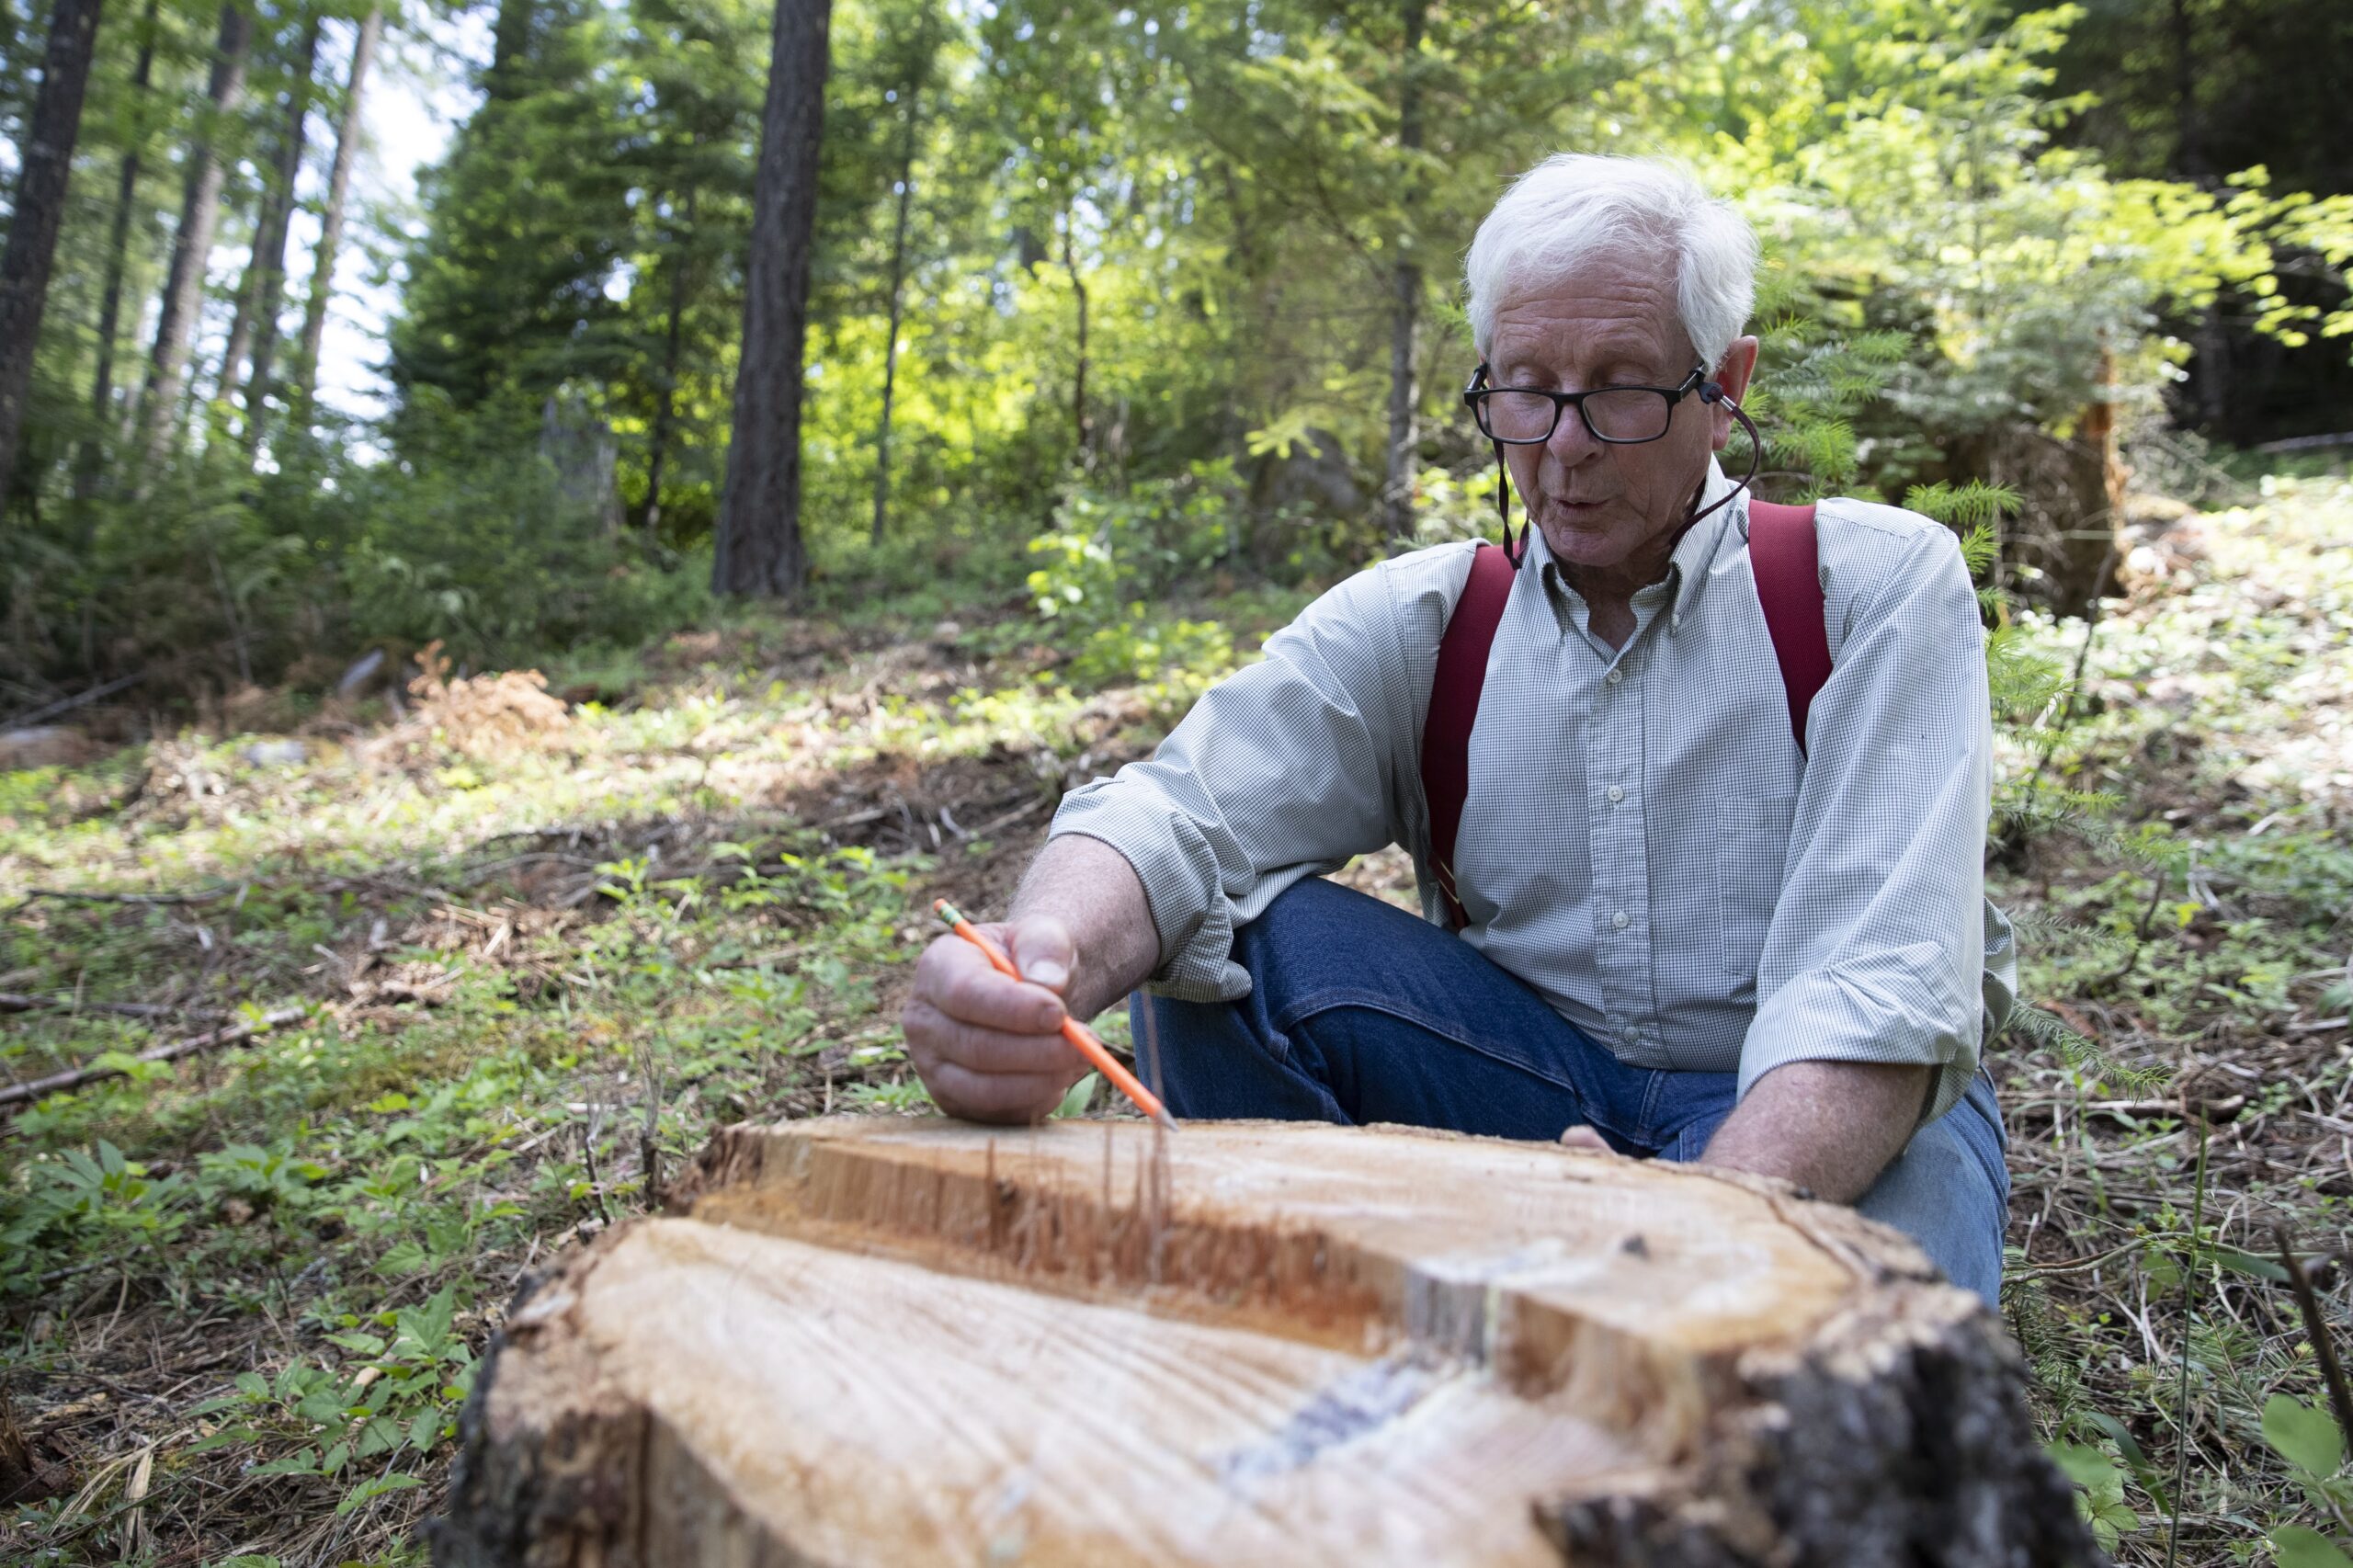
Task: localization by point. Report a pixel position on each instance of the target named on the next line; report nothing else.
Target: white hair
(1574, 205)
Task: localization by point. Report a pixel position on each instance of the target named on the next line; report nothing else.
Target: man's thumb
(1042, 950)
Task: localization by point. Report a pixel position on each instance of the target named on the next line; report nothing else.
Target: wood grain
(864, 1341)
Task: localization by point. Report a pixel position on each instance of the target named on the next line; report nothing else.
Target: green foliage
(2100, 1491)
(2309, 1440)
(1107, 574)
(1138, 240)
(2304, 1437)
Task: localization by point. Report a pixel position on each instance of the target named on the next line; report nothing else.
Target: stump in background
(867, 1341)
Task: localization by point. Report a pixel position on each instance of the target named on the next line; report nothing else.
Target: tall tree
(527, 219)
(268, 289)
(346, 149)
(666, 391)
(760, 552)
(48, 154)
(910, 120)
(1082, 424)
(199, 210)
(1405, 293)
(126, 198)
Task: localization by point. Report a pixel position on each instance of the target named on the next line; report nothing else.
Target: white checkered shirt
(1643, 843)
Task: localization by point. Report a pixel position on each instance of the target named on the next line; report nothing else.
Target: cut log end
(864, 1341)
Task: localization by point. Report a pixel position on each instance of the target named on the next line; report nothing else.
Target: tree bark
(665, 397)
(269, 248)
(1084, 426)
(914, 88)
(869, 1341)
(760, 552)
(2091, 519)
(241, 312)
(47, 167)
(199, 210)
(347, 148)
(1405, 299)
(87, 459)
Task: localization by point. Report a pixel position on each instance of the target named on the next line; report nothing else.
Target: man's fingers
(957, 978)
(989, 1046)
(1041, 949)
(933, 1034)
(1584, 1137)
(999, 1096)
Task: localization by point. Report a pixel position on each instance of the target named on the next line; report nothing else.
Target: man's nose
(1570, 443)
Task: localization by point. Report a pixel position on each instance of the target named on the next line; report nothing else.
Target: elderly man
(1684, 929)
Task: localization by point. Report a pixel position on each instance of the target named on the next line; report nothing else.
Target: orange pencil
(1081, 1038)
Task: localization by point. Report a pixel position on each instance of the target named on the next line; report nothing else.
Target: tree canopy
(1084, 248)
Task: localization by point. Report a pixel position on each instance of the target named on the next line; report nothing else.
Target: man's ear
(1732, 373)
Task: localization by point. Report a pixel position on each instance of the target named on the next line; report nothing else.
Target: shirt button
(1614, 676)
(1616, 794)
(1619, 920)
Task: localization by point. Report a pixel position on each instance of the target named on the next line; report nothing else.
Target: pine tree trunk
(1405, 299)
(873, 1341)
(898, 302)
(87, 459)
(1084, 426)
(270, 250)
(200, 210)
(665, 397)
(760, 552)
(47, 167)
(241, 312)
(346, 149)
(2091, 518)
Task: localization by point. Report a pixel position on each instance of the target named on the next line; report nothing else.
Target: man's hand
(989, 1048)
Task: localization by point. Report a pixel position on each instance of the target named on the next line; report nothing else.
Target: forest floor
(450, 989)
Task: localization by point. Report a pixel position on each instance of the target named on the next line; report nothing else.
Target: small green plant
(399, 1396)
(2312, 1448)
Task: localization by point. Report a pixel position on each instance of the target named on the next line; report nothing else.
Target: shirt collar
(1687, 570)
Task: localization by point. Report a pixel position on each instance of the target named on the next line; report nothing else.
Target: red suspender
(1454, 708)
(1783, 558)
(1786, 563)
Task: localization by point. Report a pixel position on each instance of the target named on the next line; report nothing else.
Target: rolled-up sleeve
(1877, 941)
(1285, 769)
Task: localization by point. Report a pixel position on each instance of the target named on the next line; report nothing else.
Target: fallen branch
(18, 1094)
(17, 1001)
(2131, 1112)
(79, 700)
(71, 895)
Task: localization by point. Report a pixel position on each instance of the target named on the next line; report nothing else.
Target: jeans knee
(1940, 1192)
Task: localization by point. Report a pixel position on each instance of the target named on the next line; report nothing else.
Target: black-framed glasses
(1527, 416)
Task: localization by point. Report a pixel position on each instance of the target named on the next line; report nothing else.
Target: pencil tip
(1165, 1119)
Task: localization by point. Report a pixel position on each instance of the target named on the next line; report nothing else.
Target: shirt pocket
(1754, 844)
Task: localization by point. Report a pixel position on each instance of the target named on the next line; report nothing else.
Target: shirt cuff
(1181, 888)
(1895, 1006)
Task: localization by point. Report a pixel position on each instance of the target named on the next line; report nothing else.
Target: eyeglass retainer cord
(1710, 392)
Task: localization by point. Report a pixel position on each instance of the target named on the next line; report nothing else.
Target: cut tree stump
(869, 1341)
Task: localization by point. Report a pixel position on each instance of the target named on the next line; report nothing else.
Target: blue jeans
(1359, 1012)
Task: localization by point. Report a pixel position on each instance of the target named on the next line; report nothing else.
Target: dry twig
(73, 1078)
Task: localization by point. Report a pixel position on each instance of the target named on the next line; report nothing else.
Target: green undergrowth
(2192, 939)
(532, 960)
(526, 956)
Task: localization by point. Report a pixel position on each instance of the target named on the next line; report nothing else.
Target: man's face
(1610, 323)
